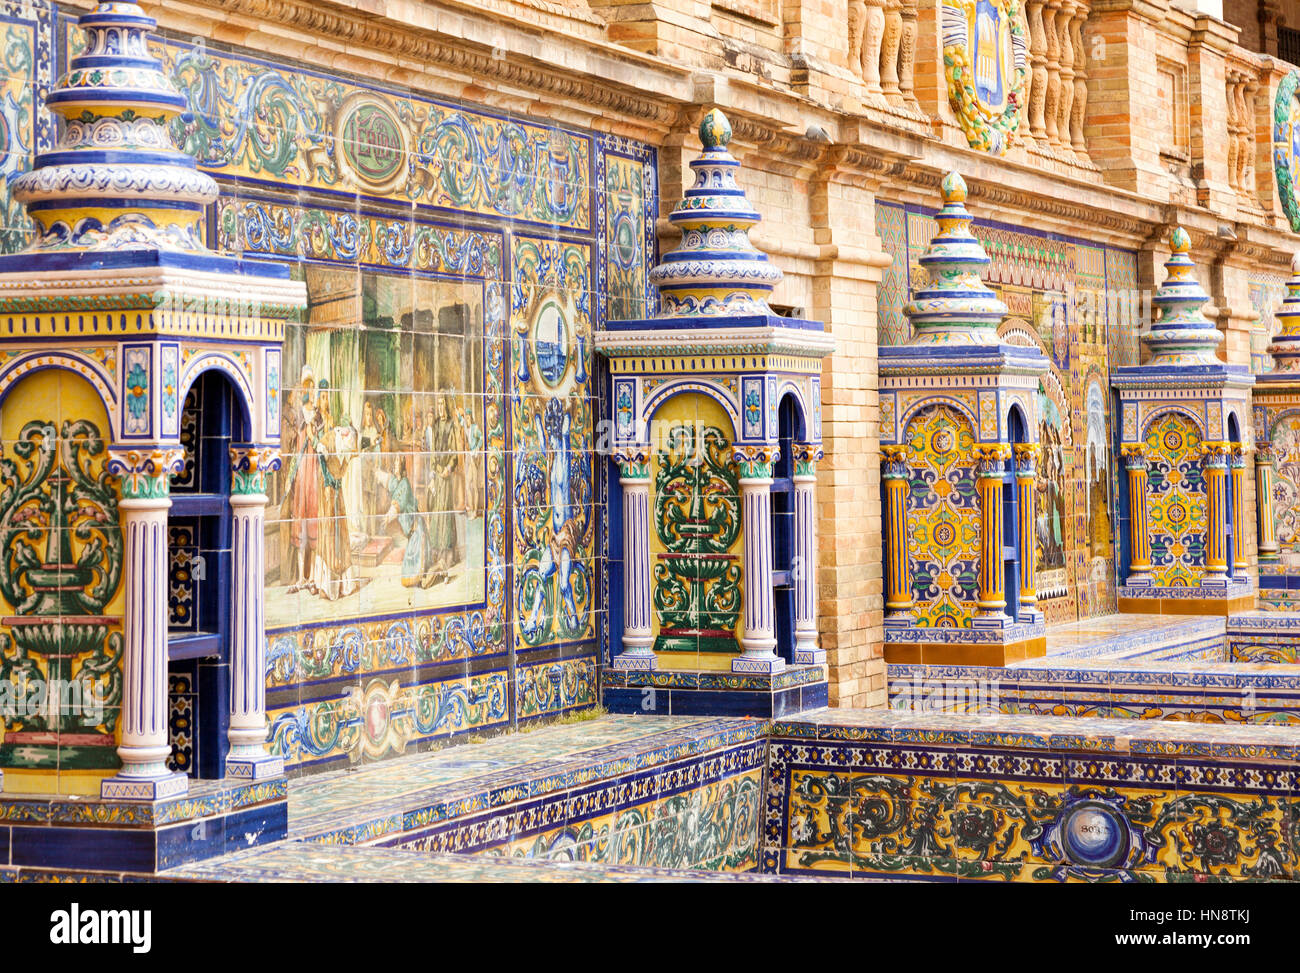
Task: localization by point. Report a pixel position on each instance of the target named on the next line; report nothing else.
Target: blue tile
(687, 703)
(191, 841)
(104, 849)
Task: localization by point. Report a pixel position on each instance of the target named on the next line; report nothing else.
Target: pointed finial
(715, 271)
(953, 188)
(715, 130)
(117, 102)
(956, 307)
(1181, 335)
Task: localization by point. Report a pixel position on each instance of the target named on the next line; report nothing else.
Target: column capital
(1214, 454)
(1026, 456)
(806, 456)
(755, 460)
(893, 460)
(1135, 456)
(249, 466)
(1238, 456)
(144, 472)
(633, 463)
(989, 458)
(1263, 454)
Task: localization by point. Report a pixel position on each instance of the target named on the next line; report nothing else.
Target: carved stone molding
(318, 19)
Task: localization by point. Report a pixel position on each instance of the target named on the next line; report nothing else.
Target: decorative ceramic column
(1214, 465)
(1026, 456)
(248, 758)
(1264, 502)
(145, 488)
(759, 640)
(806, 651)
(638, 638)
(989, 466)
(898, 580)
(1238, 465)
(1136, 462)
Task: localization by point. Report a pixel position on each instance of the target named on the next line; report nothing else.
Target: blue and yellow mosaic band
(943, 518)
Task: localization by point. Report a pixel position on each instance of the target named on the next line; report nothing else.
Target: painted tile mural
(431, 536)
(61, 586)
(695, 540)
(26, 75)
(1266, 293)
(920, 811)
(1077, 303)
(1285, 436)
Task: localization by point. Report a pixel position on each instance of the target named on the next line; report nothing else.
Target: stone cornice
(336, 23)
(604, 85)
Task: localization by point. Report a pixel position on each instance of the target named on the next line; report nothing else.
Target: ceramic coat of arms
(985, 59)
(1286, 146)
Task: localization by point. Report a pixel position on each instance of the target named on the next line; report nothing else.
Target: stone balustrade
(1056, 103)
(882, 48)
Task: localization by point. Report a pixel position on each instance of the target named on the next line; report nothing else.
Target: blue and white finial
(715, 271)
(116, 181)
(1181, 334)
(956, 307)
(1285, 348)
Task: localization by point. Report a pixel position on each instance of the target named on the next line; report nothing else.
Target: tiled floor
(1130, 637)
(296, 862)
(331, 814)
(323, 806)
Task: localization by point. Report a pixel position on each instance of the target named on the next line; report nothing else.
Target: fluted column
(1026, 456)
(758, 643)
(898, 581)
(1238, 465)
(1136, 463)
(990, 468)
(248, 758)
(638, 635)
(144, 476)
(1264, 474)
(1214, 468)
(806, 650)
